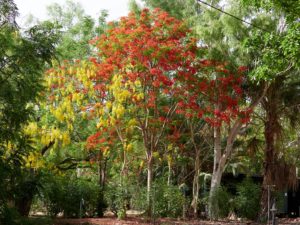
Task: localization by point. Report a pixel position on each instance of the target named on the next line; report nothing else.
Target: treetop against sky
(115, 8)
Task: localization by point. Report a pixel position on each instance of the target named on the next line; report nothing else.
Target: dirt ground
(140, 221)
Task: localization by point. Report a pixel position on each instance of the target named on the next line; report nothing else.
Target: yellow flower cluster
(128, 147)
(34, 160)
(31, 129)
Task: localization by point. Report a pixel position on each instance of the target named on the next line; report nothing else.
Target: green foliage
(222, 202)
(275, 51)
(22, 62)
(168, 200)
(65, 195)
(290, 8)
(177, 8)
(18, 185)
(291, 43)
(247, 199)
(77, 29)
(8, 13)
(23, 58)
(9, 215)
(134, 7)
(117, 196)
(36, 221)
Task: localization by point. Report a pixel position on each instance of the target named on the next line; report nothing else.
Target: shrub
(9, 215)
(224, 202)
(66, 195)
(168, 200)
(36, 221)
(247, 199)
(118, 197)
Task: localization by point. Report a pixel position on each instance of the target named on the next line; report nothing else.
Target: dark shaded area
(293, 202)
(287, 202)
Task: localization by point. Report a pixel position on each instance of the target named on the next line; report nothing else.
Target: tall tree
(77, 29)
(23, 57)
(223, 36)
(278, 63)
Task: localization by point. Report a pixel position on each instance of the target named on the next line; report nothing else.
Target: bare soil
(141, 221)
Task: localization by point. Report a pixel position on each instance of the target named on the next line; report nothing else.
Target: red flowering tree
(222, 105)
(215, 95)
(146, 71)
(144, 57)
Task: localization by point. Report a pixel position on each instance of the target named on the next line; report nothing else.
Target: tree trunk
(271, 133)
(169, 180)
(215, 185)
(213, 207)
(149, 183)
(102, 180)
(196, 185)
(124, 186)
(220, 160)
(23, 204)
(271, 130)
(169, 173)
(268, 167)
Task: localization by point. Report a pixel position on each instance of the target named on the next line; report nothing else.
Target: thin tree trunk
(213, 208)
(197, 168)
(169, 180)
(196, 185)
(149, 183)
(220, 160)
(169, 173)
(102, 180)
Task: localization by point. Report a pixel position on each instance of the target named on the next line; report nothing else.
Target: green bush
(138, 200)
(118, 196)
(36, 221)
(64, 195)
(247, 199)
(168, 201)
(223, 201)
(9, 215)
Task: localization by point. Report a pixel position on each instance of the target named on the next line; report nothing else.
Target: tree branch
(47, 147)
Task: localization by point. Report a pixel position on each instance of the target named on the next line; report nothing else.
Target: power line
(233, 16)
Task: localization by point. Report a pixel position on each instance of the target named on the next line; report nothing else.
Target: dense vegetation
(149, 112)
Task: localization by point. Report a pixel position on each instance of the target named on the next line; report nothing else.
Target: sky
(116, 8)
